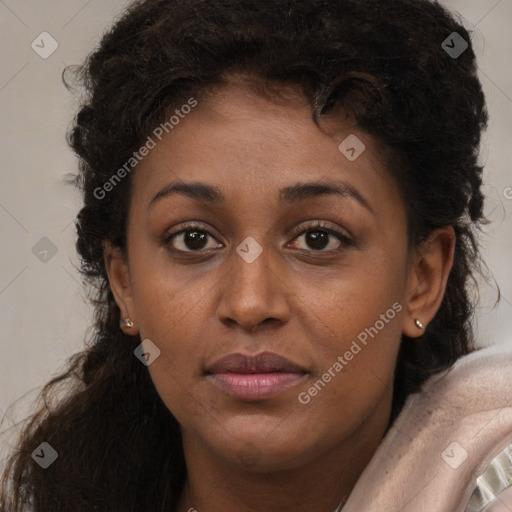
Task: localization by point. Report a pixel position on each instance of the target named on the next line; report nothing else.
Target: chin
(262, 446)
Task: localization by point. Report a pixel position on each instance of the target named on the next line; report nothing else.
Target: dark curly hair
(381, 60)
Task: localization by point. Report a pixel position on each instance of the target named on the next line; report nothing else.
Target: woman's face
(248, 271)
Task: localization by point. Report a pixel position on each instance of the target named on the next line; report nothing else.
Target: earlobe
(118, 273)
(428, 275)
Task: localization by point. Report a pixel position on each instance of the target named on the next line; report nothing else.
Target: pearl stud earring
(126, 323)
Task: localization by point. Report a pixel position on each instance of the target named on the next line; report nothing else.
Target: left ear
(429, 269)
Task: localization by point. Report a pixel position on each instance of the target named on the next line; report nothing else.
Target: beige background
(42, 310)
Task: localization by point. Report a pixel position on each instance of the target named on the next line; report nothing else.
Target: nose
(253, 295)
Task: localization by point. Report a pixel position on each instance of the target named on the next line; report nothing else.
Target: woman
(281, 202)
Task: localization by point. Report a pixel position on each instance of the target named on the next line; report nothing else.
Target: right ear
(118, 272)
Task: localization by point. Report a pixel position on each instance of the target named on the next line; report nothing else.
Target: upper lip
(266, 362)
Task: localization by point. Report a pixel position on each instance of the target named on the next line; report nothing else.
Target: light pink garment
(503, 502)
(443, 440)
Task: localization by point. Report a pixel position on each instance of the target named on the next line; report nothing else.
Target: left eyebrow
(198, 191)
(308, 190)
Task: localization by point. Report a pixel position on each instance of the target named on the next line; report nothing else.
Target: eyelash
(317, 226)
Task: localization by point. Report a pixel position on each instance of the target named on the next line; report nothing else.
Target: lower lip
(255, 386)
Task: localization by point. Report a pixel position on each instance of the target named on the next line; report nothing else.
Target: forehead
(251, 145)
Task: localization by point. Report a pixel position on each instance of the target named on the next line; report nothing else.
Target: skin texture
(304, 304)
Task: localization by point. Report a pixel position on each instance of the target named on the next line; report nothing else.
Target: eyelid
(321, 226)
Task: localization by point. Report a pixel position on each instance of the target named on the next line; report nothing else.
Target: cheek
(360, 313)
(356, 369)
(167, 299)
(172, 314)
(178, 332)
(351, 299)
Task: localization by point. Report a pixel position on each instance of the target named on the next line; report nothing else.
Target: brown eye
(195, 240)
(321, 238)
(317, 240)
(191, 239)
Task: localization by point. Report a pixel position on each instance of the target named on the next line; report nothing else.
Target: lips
(266, 362)
(258, 377)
